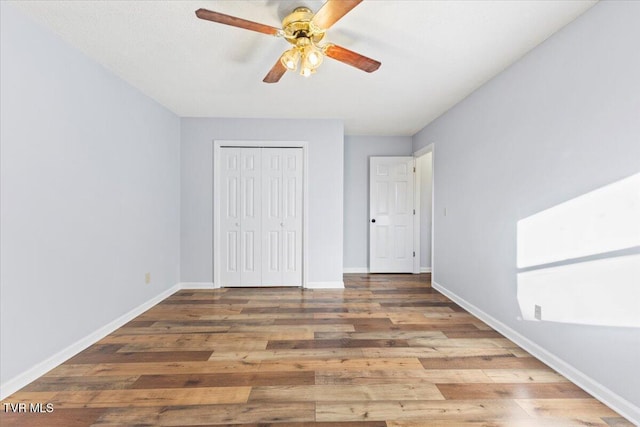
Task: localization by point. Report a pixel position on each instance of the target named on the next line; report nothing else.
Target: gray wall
(326, 141)
(89, 196)
(561, 122)
(357, 150)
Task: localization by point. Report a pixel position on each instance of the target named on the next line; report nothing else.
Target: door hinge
(414, 211)
(414, 254)
(414, 169)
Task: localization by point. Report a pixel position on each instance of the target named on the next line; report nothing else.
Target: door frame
(217, 146)
(416, 188)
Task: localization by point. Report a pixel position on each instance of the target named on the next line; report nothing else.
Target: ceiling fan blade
(352, 58)
(332, 11)
(275, 73)
(221, 18)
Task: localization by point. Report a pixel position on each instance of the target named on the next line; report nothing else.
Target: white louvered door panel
(251, 217)
(292, 216)
(281, 218)
(272, 217)
(230, 216)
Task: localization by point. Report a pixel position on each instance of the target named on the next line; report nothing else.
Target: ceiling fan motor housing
(298, 24)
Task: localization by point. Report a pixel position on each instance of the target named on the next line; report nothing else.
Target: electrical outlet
(147, 278)
(537, 312)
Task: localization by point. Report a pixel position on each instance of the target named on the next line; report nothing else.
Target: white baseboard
(588, 384)
(351, 270)
(197, 285)
(30, 375)
(365, 270)
(325, 285)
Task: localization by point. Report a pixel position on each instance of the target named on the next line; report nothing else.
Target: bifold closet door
(261, 216)
(241, 217)
(282, 216)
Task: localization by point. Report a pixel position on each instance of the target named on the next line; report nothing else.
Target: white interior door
(391, 213)
(261, 216)
(250, 217)
(292, 216)
(240, 221)
(230, 216)
(282, 217)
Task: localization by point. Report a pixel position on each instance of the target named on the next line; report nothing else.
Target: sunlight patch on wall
(604, 220)
(557, 282)
(601, 292)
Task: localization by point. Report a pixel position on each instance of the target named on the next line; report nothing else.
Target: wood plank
(138, 398)
(419, 410)
(283, 355)
(370, 327)
(341, 364)
(565, 408)
(343, 343)
(207, 347)
(464, 376)
(524, 376)
(202, 415)
(564, 390)
(142, 356)
(304, 328)
(164, 330)
(473, 334)
(332, 393)
(79, 417)
(316, 424)
(81, 383)
(253, 379)
(401, 335)
(548, 422)
(488, 362)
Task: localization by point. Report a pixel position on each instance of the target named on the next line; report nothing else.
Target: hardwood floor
(386, 351)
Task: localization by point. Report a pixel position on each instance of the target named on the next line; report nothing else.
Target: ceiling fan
(304, 30)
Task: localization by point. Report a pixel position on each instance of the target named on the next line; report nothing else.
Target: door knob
(373, 220)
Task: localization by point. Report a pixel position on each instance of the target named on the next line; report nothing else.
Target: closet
(261, 216)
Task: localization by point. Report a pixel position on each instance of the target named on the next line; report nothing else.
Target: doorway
(424, 196)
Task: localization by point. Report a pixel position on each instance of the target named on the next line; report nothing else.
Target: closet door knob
(373, 220)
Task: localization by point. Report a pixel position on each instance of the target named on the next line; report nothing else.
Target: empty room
(332, 212)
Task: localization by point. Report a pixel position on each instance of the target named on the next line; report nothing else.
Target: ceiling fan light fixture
(313, 56)
(290, 59)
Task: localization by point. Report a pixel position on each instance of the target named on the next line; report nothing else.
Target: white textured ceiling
(433, 54)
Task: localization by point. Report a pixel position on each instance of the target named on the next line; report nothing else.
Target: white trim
(217, 144)
(416, 215)
(425, 269)
(30, 375)
(197, 285)
(351, 270)
(417, 190)
(588, 384)
(424, 150)
(325, 285)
